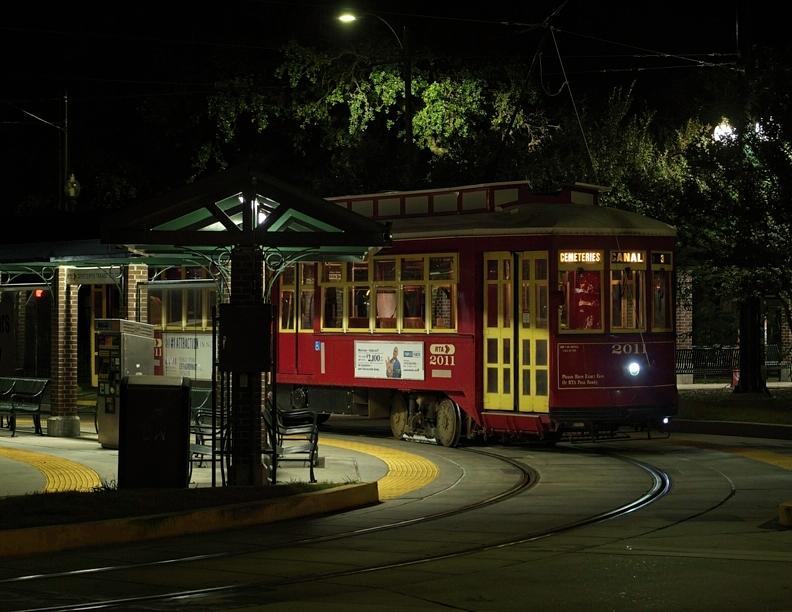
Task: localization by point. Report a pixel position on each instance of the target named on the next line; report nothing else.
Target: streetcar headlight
(666, 421)
(634, 368)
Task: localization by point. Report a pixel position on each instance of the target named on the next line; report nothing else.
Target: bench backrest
(6, 386)
(30, 386)
(199, 399)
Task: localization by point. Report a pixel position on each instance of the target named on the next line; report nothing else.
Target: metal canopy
(193, 225)
(244, 208)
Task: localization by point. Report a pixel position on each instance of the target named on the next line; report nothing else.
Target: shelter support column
(134, 274)
(246, 398)
(64, 420)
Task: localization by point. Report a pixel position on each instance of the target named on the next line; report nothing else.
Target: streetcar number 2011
(628, 349)
(442, 360)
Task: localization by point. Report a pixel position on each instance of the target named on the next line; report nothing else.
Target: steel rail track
(659, 487)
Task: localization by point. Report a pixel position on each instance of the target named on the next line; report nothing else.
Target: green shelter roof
(194, 223)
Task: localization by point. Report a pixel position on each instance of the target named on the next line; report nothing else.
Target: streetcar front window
(627, 290)
(582, 307)
(627, 303)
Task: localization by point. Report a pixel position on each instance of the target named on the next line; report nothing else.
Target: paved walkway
(32, 463)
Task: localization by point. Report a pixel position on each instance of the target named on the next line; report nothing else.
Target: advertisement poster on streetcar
(396, 360)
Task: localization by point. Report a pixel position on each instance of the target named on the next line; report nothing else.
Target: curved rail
(660, 485)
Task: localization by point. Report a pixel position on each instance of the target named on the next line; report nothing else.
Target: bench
(22, 396)
(295, 436)
(707, 360)
(722, 361)
(206, 427)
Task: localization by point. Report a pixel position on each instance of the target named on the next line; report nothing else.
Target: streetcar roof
(533, 219)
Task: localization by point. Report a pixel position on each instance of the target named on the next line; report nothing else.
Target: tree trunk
(751, 349)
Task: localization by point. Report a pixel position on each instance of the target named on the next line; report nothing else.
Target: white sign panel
(187, 355)
(93, 276)
(396, 360)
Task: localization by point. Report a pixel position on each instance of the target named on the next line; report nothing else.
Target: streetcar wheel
(398, 416)
(449, 423)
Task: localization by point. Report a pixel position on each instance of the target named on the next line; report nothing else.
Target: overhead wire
(574, 105)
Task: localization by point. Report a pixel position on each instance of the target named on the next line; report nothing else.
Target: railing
(721, 360)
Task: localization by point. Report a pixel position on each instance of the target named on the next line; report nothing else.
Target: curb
(52, 538)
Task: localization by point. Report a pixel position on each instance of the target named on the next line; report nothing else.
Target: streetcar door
(533, 336)
(515, 336)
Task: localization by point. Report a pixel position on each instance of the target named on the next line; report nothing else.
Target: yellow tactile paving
(777, 459)
(406, 471)
(60, 474)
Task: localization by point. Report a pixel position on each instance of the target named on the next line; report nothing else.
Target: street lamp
(71, 188)
(404, 47)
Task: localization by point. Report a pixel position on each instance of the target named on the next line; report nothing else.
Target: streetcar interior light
(634, 368)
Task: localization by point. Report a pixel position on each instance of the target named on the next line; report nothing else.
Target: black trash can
(154, 432)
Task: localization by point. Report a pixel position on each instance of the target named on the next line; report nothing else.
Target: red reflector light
(39, 293)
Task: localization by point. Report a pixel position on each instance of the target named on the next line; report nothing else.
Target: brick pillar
(64, 421)
(684, 317)
(246, 398)
(133, 275)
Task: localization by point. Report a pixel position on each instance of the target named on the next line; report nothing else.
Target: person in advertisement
(392, 365)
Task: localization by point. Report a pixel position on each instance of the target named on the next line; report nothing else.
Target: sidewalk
(31, 463)
(366, 474)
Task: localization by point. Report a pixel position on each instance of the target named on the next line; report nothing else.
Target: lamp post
(70, 187)
(404, 47)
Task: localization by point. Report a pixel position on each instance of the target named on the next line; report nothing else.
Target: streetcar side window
(307, 291)
(332, 275)
(662, 271)
(287, 310)
(580, 280)
(386, 292)
(413, 294)
(410, 293)
(332, 308)
(386, 307)
(181, 307)
(442, 292)
(287, 299)
(359, 296)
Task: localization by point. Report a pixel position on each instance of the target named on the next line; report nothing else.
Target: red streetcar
(496, 311)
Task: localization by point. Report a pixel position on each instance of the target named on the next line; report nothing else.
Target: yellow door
(516, 348)
(533, 337)
(498, 331)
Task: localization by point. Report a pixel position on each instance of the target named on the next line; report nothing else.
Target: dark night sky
(111, 59)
